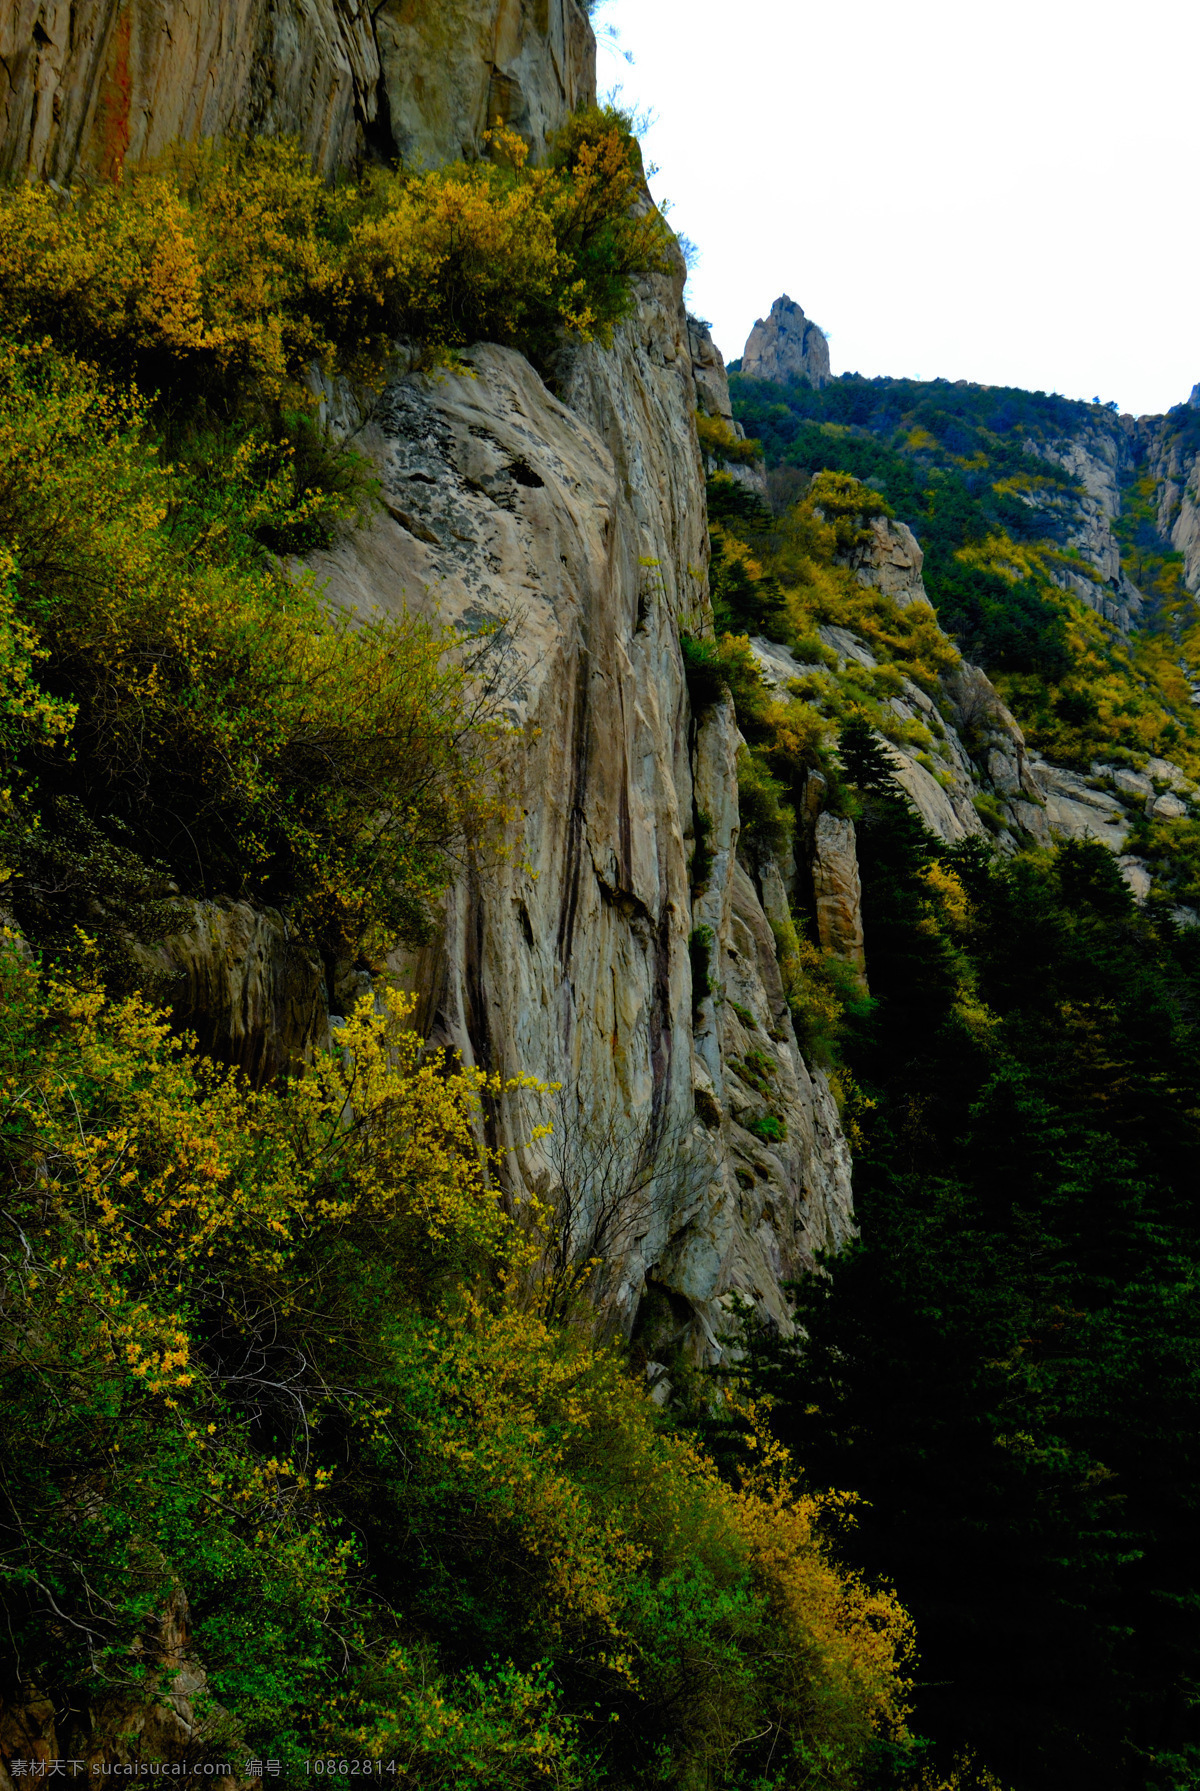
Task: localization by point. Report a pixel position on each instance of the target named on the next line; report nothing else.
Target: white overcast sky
(1007, 193)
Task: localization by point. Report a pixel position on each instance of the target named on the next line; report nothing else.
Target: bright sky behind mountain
(950, 188)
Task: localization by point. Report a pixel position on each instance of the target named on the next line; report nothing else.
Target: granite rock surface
(786, 345)
(86, 85)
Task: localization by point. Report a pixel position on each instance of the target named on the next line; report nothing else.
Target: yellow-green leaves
(229, 268)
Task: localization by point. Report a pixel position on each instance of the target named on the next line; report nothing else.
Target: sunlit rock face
(1173, 458)
(787, 345)
(87, 85)
(579, 517)
(253, 993)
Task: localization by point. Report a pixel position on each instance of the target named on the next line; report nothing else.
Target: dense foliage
(206, 723)
(229, 268)
(185, 715)
(275, 1344)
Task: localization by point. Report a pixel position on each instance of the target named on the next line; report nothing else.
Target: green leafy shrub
(766, 820)
(718, 442)
(715, 669)
(700, 946)
(414, 1521)
(732, 502)
(225, 723)
(702, 852)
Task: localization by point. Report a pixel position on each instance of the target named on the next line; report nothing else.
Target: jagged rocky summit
(787, 345)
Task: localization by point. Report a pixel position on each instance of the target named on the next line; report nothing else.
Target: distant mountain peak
(787, 345)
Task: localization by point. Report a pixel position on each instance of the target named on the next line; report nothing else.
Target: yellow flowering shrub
(230, 267)
(27, 712)
(414, 1520)
(205, 722)
(719, 443)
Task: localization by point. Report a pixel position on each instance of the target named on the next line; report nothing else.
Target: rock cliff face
(1097, 458)
(1173, 460)
(122, 1726)
(708, 371)
(577, 519)
(712, 400)
(581, 519)
(253, 994)
(1104, 458)
(86, 85)
(786, 345)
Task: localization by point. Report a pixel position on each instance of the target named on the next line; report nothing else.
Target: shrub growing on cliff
(719, 443)
(223, 720)
(413, 1520)
(227, 269)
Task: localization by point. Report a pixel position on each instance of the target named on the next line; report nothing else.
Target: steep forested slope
(1005, 1363)
(1028, 508)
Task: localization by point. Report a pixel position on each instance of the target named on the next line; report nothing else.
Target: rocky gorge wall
(1173, 459)
(86, 85)
(576, 519)
(579, 522)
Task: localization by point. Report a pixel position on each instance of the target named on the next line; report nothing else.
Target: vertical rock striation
(86, 85)
(1099, 458)
(1172, 450)
(580, 518)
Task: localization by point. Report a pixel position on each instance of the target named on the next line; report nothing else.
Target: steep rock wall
(253, 993)
(578, 520)
(170, 1716)
(86, 85)
(581, 518)
(712, 400)
(1173, 460)
(1098, 458)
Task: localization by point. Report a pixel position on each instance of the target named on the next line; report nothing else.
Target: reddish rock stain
(116, 96)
